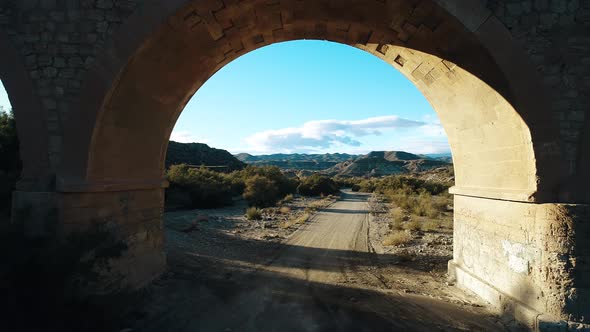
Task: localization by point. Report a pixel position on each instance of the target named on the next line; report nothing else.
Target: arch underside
(481, 112)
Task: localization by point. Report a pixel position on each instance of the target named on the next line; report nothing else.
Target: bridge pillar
(115, 237)
(531, 261)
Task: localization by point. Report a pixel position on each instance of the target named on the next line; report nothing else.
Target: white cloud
(184, 136)
(323, 134)
(422, 145)
(433, 130)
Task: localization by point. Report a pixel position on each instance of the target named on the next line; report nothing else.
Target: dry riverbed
(277, 223)
(309, 265)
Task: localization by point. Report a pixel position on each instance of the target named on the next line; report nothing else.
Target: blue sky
(309, 97)
(4, 102)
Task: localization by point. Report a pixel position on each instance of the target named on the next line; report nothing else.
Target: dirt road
(322, 278)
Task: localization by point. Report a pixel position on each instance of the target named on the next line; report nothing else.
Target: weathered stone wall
(527, 258)
(130, 220)
(524, 258)
(555, 35)
(58, 41)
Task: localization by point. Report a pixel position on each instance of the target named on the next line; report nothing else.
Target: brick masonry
(58, 40)
(555, 34)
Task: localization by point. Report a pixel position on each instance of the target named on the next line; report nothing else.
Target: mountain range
(380, 163)
(376, 163)
(299, 161)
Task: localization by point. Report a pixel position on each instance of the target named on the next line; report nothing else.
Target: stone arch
(504, 145)
(511, 180)
(31, 119)
(485, 89)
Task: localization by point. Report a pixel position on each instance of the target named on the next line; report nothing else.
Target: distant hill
(297, 161)
(441, 156)
(376, 163)
(381, 163)
(201, 154)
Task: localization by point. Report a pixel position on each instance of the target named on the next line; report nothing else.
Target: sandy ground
(229, 274)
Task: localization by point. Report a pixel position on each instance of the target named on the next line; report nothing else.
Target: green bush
(261, 191)
(205, 188)
(284, 184)
(317, 185)
(404, 184)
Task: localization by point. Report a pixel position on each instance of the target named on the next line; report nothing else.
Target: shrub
(347, 182)
(430, 225)
(317, 185)
(397, 238)
(396, 214)
(261, 191)
(284, 184)
(237, 183)
(396, 225)
(287, 199)
(205, 188)
(412, 225)
(253, 213)
(404, 184)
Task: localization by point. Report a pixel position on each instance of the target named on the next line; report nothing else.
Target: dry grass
(396, 225)
(430, 225)
(450, 223)
(423, 205)
(320, 204)
(254, 213)
(397, 216)
(285, 210)
(287, 199)
(412, 225)
(302, 219)
(397, 238)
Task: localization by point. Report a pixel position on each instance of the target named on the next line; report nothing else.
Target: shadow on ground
(223, 286)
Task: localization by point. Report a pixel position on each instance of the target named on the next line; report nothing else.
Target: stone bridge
(97, 86)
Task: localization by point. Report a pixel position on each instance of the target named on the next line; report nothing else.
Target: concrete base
(500, 301)
(510, 307)
(529, 261)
